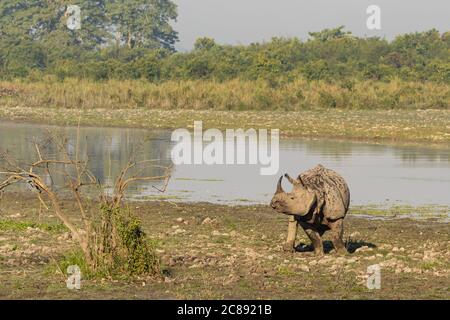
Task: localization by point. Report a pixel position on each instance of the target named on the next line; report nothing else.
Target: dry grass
(230, 95)
(396, 111)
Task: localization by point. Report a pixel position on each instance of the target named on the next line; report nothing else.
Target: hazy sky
(246, 21)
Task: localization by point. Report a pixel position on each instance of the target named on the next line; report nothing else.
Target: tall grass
(230, 95)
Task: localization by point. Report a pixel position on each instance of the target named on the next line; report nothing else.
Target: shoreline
(422, 128)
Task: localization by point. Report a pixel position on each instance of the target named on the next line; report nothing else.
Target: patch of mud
(222, 252)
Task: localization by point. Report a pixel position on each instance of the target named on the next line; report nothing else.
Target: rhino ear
(293, 181)
(300, 181)
(297, 183)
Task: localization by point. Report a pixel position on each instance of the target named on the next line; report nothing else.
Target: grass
(377, 111)
(424, 211)
(12, 225)
(230, 95)
(71, 258)
(159, 197)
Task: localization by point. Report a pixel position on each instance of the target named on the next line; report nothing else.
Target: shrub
(121, 247)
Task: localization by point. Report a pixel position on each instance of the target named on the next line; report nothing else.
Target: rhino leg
(337, 231)
(315, 237)
(289, 245)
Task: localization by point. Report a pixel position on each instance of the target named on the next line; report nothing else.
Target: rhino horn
(279, 187)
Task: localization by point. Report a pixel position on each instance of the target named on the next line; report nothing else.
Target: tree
(19, 56)
(328, 34)
(45, 22)
(204, 43)
(143, 23)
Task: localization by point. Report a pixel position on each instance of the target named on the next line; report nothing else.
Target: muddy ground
(222, 252)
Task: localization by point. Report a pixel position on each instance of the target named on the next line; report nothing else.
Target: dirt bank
(213, 251)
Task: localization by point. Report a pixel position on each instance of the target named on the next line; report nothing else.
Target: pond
(376, 174)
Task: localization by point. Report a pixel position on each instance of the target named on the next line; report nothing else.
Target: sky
(247, 21)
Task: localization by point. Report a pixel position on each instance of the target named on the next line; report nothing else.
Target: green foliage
(122, 247)
(11, 225)
(41, 26)
(44, 22)
(330, 34)
(134, 40)
(75, 258)
(204, 44)
(144, 23)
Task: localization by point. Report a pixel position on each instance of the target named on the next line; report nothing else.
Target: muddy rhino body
(319, 202)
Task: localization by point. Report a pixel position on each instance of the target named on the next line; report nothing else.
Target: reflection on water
(376, 174)
(108, 150)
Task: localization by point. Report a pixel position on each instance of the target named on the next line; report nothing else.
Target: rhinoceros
(318, 202)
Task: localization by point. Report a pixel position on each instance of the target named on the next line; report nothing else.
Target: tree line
(134, 39)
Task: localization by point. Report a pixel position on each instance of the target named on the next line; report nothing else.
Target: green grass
(402, 210)
(73, 258)
(11, 225)
(429, 265)
(160, 197)
(285, 271)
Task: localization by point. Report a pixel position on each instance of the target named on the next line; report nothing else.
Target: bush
(121, 247)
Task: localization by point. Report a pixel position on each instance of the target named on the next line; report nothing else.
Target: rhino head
(297, 202)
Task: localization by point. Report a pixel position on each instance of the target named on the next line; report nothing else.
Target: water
(376, 174)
